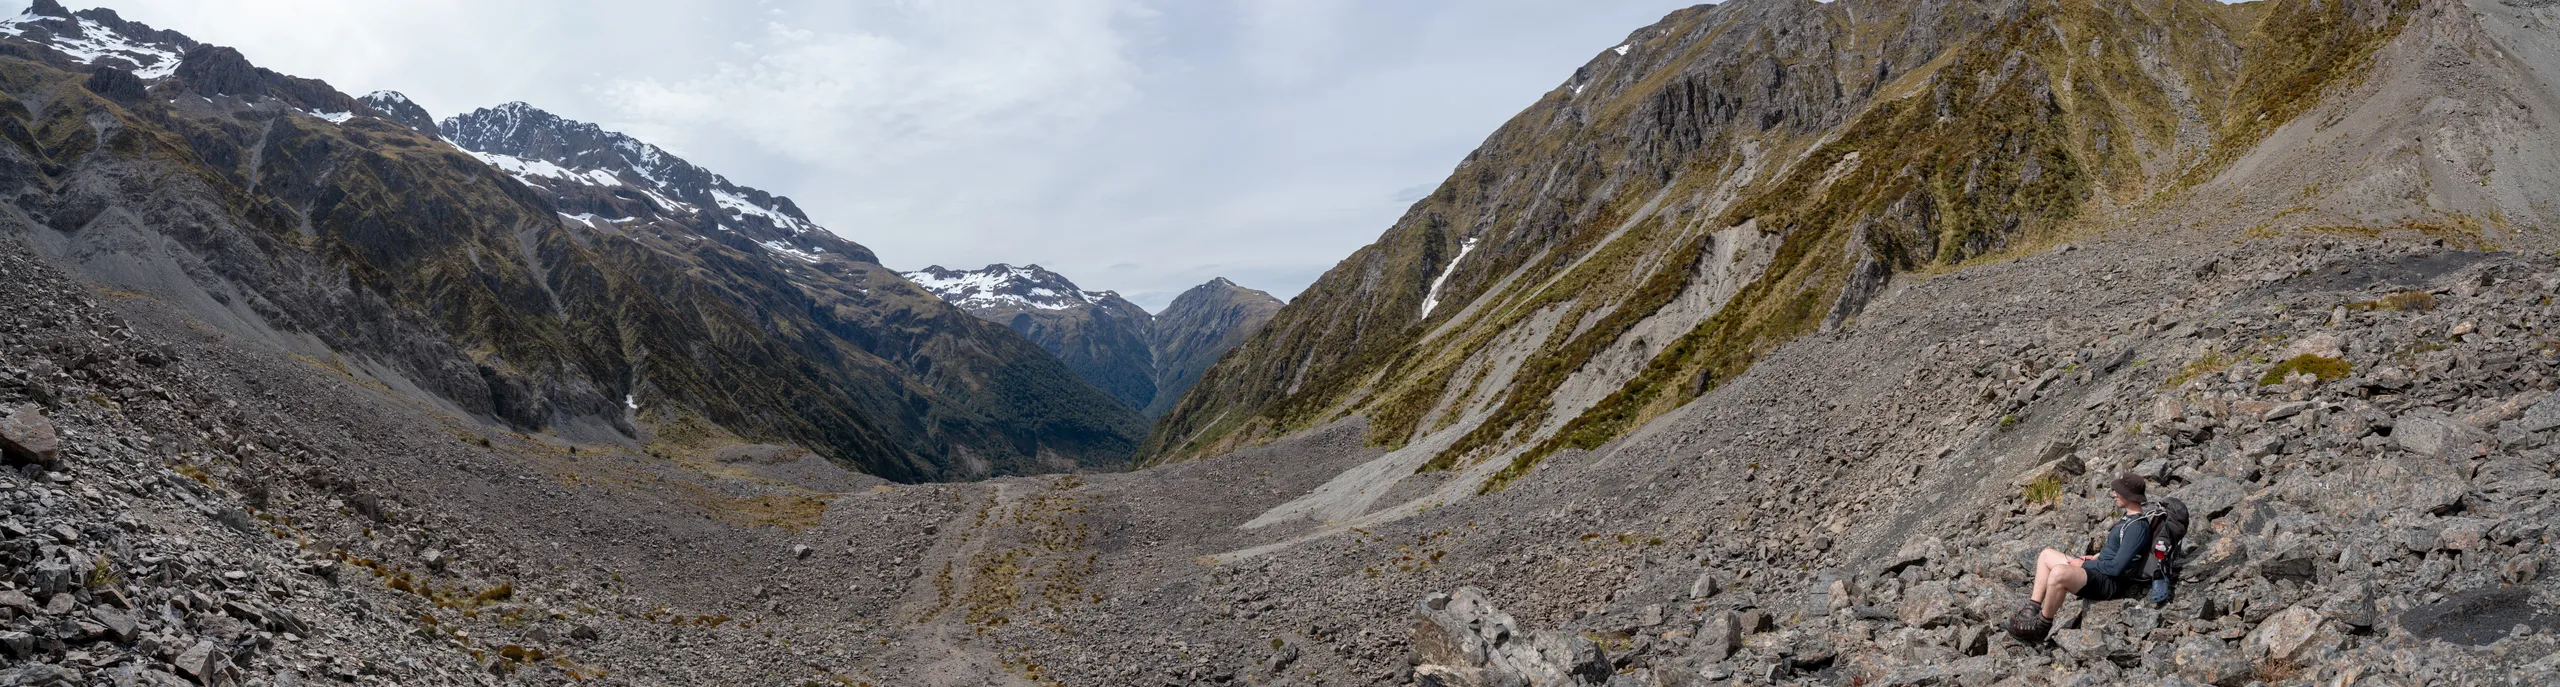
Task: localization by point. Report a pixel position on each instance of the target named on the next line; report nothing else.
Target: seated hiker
(2110, 574)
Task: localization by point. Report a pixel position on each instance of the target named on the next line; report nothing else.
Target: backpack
(2168, 519)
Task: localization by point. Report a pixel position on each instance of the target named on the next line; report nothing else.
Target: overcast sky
(1143, 146)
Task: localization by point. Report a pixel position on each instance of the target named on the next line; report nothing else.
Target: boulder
(2352, 606)
(2465, 534)
(1973, 640)
(1717, 636)
(119, 625)
(1978, 671)
(1706, 586)
(2434, 434)
(2209, 497)
(2295, 635)
(1917, 551)
(53, 577)
(1928, 605)
(1459, 628)
(2298, 563)
(2215, 559)
(2421, 539)
(2086, 645)
(2210, 661)
(2542, 416)
(200, 662)
(27, 437)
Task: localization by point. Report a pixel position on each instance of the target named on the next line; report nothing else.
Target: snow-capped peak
(99, 37)
(1006, 286)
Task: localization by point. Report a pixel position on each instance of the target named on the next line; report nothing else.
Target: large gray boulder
(27, 437)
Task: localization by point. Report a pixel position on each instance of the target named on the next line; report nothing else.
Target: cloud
(1292, 41)
(912, 80)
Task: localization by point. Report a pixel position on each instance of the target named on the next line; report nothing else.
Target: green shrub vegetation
(2327, 369)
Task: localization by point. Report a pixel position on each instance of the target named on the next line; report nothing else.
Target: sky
(1142, 146)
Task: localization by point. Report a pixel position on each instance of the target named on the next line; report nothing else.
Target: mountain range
(1147, 361)
(513, 265)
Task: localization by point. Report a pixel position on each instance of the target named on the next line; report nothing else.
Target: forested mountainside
(1741, 175)
(545, 274)
(1147, 361)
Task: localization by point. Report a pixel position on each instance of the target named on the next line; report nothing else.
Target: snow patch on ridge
(527, 170)
(96, 41)
(732, 201)
(1431, 299)
(788, 250)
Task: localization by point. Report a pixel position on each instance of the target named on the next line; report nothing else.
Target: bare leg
(2044, 573)
(2066, 579)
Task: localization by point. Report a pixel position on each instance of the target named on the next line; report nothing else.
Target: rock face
(546, 275)
(1145, 361)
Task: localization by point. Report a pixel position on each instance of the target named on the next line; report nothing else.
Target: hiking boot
(2030, 627)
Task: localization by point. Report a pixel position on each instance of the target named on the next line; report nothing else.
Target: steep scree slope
(1743, 174)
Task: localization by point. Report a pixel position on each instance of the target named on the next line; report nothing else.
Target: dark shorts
(2105, 588)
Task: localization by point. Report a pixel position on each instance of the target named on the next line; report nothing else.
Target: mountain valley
(1769, 347)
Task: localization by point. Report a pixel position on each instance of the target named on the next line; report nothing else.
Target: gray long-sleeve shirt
(2127, 542)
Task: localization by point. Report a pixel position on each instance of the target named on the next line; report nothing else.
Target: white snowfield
(96, 42)
(996, 285)
(528, 170)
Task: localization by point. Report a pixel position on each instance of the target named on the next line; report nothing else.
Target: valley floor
(1854, 510)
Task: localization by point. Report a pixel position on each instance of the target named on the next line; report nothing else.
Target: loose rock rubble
(2386, 525)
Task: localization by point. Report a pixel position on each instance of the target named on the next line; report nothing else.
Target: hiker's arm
(2121, 553)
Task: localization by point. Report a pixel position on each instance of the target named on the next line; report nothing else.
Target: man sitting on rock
(2105, 576)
